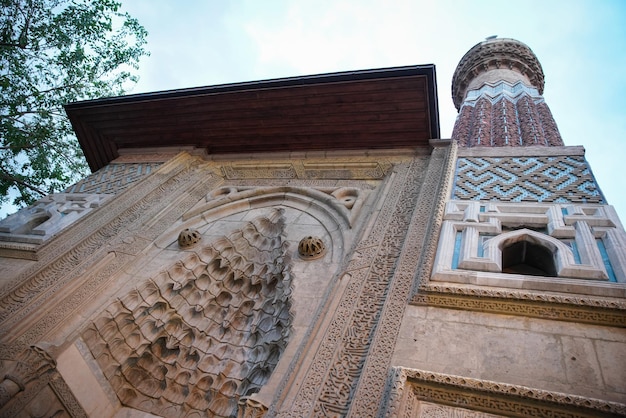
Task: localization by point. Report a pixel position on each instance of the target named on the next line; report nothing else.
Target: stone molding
(366, 168)
(544, 305)
(369, 395)
(473, 235)
(344, 202)
(345, 376)
(408, 387)
(330, 380)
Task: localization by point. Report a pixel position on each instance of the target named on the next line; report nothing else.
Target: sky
(581, 45)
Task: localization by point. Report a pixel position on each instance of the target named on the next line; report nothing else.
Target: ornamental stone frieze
(32, 387)
(302, 169)
(114, 178)
(420, 393)
(344, 202)
(205, 333)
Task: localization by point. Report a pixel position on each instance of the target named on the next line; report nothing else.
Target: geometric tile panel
(560, 179)
(113, 178)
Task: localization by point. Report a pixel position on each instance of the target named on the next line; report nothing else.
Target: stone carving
(345, 202)
(311, 248)
(588, 309)
(39, 222)
(204, 333)
(349, 343)
(188, 238)
(32, 387)
(88, 241)
(32, 364)
(113, 178)
(348, 196)
(431, 410)
(558, 179)
(260, 170)
(425, 194)
(344, 170)
(250, 408)
(433, 392)
(354, 168)
(474, 235)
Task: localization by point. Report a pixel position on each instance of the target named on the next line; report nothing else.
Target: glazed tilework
(558, 179)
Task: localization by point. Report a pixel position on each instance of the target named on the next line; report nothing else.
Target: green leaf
(53, 52)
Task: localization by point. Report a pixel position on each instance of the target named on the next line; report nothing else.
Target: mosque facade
(311, 247)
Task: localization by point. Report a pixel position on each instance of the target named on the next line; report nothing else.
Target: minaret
(522, 204)
(497, 89)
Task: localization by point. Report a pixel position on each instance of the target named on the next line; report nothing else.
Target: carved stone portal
(206, 332)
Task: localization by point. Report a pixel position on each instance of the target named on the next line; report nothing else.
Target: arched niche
(528, 258)
(307, 212)
(528, 252)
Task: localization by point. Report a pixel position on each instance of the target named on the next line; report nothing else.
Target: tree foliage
(53, 52)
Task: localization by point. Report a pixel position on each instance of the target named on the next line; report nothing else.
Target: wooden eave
(371, 109)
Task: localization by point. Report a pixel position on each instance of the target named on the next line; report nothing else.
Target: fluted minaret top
(494, 60)
(497, 88)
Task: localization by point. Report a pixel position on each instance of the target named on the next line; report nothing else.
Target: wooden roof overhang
(371, 109)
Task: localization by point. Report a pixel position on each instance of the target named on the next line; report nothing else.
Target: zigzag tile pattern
(560, 179)
(205, 333)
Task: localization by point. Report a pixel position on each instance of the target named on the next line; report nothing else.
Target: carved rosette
(207, 332)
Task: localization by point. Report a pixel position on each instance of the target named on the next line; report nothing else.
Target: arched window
(526, 257)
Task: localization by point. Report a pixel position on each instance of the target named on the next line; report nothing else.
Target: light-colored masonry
(461, 280)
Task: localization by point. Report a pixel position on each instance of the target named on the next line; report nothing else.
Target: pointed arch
(542, 255)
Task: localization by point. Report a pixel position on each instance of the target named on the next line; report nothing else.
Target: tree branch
(6, 176)
(20, 147)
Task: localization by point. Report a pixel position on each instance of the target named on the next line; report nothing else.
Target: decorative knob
(311, 248)
(188, 238)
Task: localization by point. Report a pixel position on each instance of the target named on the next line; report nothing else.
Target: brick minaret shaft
(497, 89)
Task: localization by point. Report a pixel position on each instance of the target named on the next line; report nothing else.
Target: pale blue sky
(581, 45)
